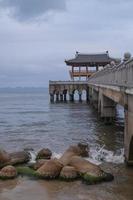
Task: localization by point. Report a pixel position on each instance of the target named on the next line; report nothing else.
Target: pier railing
(67, 82)
(116, 75)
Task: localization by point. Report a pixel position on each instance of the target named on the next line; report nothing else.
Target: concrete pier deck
(104, 90)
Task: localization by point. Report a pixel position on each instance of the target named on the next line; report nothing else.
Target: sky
(36, 36)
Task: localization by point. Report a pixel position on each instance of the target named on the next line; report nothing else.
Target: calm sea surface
(28, 120)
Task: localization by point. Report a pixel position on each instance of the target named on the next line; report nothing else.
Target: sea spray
(103, 155)
(96, 156)
(33, 156)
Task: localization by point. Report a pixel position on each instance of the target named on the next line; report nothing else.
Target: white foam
(33, 156)
(96, 156)
(56, 155)
(103, 155)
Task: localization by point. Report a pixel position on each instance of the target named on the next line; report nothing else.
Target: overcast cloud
(36, 36)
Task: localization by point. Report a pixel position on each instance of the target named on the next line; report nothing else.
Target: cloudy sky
(36, 36)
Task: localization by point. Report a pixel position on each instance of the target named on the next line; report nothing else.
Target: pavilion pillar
(79, 73)
(86, 73)
(72, 73)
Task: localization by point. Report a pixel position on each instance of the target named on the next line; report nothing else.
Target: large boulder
(19, 157)
(51, 169)
(8, 172)
(4, 158)
(44, 153)
(38, 164)
(90, 172)
(75, 150)
(68, 173)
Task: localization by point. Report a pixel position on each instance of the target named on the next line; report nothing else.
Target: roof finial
(77, 53)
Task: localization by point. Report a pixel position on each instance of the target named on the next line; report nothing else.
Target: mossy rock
(90, 179)
(27, 171)
(4, 178)
(68, 173)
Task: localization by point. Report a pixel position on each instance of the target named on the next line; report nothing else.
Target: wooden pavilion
(84, 65)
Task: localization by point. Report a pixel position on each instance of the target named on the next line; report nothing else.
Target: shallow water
(27, 120)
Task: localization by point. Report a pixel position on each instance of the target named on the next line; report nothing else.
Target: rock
(68, 173)
(75, 150)
(19, 157)
(8, 172)
(44, 154)
(38, 164)
(90, 172)
(84, 149)
(51, 169)
(4, 157)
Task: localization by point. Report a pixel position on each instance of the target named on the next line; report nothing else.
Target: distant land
(22, 89)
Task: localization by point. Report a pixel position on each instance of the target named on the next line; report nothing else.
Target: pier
(107, 87)
(64, 90)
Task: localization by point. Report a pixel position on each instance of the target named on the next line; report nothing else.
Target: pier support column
(87, 94)
(61, 97)
(106, 109)
(51, 98)
(128, 133)
(71, 97)
(80, 96)
(90, 95)
(57, 97)
(65, 95)
(95, 98)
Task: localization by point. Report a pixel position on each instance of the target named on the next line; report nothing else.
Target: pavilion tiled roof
(90, 59)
